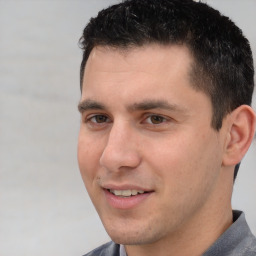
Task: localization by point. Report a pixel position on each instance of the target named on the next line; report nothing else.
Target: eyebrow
(89, 105)
(155, 104)
(145, 105)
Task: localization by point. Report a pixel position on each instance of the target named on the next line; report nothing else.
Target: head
(165, 92)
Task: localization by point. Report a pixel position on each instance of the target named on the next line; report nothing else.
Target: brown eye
(99, 119)
(154, 119)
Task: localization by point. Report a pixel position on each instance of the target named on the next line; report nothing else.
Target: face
(148, 155)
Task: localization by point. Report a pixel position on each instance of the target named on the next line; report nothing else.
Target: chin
(129, 240)
(128, 235)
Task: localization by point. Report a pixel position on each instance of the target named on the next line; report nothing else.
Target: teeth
(126, 193)
(134, 192)
(117, 192)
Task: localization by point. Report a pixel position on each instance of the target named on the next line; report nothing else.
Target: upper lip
(125, 187)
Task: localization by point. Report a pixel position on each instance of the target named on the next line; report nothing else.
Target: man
(166, 92)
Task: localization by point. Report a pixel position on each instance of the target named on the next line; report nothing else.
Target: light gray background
(44, 208)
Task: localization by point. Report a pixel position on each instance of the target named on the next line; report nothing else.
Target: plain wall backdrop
(44, 207)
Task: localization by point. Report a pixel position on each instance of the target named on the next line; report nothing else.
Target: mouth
(126, 198)
(126, 193)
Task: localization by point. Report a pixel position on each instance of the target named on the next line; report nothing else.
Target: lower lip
(125, 202)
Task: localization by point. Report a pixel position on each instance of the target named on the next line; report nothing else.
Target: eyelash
(147, 119)
(90, 119)
(158, 118)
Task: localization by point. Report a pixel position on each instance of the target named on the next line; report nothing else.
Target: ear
(241, 123)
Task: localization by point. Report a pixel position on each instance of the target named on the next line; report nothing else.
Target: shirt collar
(122, 250)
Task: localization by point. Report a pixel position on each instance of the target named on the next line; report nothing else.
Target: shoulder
(247, 244)
(108, 249)
(237, 240)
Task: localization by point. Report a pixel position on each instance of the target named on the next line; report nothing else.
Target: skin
(144, 125)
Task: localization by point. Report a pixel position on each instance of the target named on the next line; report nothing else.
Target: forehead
(155, 72)
(153, 62)
(147, 58)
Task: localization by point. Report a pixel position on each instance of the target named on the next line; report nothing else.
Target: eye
(155, 119)
(98, 119)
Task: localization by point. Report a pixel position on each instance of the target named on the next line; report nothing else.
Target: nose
(121, 150)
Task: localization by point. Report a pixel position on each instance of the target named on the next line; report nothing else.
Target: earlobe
(241, 132)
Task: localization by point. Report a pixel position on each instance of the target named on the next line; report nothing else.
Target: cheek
(88, 154)
(186, 162)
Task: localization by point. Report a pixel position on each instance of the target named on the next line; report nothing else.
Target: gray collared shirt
(237, 240)
(122, 250)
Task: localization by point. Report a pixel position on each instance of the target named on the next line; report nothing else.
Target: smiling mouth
(126, 193)
(124, 199)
